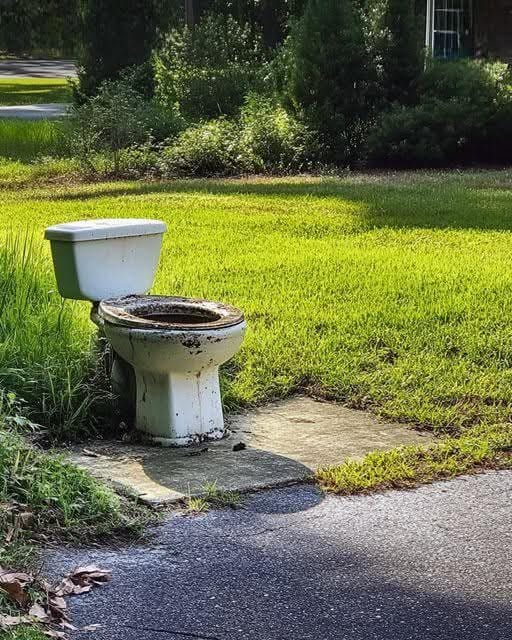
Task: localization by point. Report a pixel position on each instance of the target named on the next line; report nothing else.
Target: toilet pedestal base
(178, 409)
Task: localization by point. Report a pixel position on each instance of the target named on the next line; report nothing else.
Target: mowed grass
(391, 293)
(20, 91)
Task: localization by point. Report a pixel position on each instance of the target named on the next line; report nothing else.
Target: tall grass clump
(46, 357)
(28, 140)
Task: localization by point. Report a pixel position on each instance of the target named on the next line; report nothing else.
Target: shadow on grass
(403, 200)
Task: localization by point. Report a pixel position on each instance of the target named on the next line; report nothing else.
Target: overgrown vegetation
(45, 343)
(207, 72)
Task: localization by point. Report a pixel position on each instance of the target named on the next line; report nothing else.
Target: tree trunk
(189, 14)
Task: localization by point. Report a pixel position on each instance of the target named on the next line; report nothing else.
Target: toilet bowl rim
(122, 312)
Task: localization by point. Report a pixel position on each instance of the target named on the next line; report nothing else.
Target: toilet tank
(99, 259)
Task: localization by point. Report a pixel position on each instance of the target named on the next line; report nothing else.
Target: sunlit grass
(389, 292)
(479, 448)
(20, 91)
(46, 353)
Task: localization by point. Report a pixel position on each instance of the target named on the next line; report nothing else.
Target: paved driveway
(37, 68)
(35, 111)
(429, 564)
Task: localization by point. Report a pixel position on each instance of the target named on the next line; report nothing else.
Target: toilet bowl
(175, 346)
(166, 351)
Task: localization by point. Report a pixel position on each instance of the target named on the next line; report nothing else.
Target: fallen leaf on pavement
(37, 611)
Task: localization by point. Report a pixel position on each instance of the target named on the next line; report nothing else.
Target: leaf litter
(44, 604)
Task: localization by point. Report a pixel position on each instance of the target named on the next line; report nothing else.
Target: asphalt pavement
(293, 564)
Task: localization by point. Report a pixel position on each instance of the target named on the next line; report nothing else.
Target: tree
(331, 77)
(396, 42)
(27, 26)
(117, 35)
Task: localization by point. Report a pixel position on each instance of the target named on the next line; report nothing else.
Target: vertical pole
(189, 14)
(428, 26)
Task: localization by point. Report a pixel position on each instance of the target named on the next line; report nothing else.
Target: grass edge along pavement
(23, 91)
(43, 498)
(479, 448)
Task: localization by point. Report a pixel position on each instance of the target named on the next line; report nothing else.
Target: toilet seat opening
(182, 315)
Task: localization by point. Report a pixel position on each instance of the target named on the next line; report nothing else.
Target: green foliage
(59, 494)
(117, 118)
(116, 35)
(278, 141)
(50, 27)
(478, 448)
(462, 116)
(331, 74)
(482, 84)
(206, 72)
(394, 35)
(271, 16)
(45, 351)
(213, 148)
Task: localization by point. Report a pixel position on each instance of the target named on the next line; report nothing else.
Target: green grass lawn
(19, 91)
(28, 140)
(391, 293)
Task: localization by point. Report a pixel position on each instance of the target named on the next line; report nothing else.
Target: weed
(212, 498)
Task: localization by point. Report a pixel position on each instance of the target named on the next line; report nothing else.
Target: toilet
(172, 346)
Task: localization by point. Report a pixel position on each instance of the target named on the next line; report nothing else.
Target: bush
(466, 81)
(278, 141)
(117, 118)
(208, 71)
(212, 148)
(331, 76)
(463, 116)
(433, 134)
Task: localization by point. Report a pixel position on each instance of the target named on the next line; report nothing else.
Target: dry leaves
(51, 610)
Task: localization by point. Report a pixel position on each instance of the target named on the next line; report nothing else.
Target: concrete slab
(284, 443)
(35, 111)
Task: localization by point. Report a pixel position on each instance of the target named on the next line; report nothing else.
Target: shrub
(206, 72)
(278, 141)
(470, 81)
(463, 116)
(117, 118)
(433, 134)
(330, 79)
(212, 148)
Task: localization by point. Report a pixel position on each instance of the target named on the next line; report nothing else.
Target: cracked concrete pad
(284, 443)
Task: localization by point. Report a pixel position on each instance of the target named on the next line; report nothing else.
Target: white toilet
(175, 345)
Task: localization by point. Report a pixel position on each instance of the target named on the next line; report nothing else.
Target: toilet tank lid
(104, 229)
